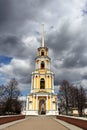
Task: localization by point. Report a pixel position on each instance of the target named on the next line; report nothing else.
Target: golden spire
(42, 35)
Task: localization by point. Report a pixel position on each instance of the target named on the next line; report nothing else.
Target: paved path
(37, 123)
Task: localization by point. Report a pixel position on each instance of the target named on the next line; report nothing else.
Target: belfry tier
(42, 60)
(42, 77)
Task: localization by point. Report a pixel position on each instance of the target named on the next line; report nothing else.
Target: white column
(46, 82)
(36, 102)
(34, 82)
(36, 65)
(39, 65)
(32, 103)
(49, 65)
(57, 103)
(27, 104)
(31, 83)
(53, 82)
(50, 102)
(47, 102)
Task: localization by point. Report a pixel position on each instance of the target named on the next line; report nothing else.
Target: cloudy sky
(65, 36)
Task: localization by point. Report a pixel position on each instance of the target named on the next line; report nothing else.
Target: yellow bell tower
(42, 99)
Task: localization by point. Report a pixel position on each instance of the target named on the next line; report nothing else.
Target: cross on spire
(42, 35)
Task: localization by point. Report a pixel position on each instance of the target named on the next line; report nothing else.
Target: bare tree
(64, 93)
(71, 97)
(11, 89)
(2, 99)
(11, 93)
(81, 99)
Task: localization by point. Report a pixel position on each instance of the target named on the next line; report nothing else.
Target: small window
(42, 53)
(42, 65)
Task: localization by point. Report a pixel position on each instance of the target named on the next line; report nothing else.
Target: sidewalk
(39, 123)
(3, 126)
(67, 125)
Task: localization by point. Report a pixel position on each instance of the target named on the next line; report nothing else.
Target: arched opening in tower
(42, 65)
(42, 106)
(42, 53)
(42, 83)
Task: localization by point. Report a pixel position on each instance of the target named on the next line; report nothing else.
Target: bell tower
(42, 99)
(42, 76)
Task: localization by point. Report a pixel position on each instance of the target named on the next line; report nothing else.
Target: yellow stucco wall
(34, 103)
(49, 103)
(36, 81)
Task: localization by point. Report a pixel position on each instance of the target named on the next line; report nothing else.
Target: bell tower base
(35, 113)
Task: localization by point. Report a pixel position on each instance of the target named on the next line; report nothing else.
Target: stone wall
(82, 123)
(6, 119)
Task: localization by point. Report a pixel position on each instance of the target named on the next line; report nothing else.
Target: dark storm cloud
(15, 14)
(68, 74)
(69, 46)
(84, 76)
(26, 80)
(5, 11)
(76, 57)
(75, 60)
(13, 46)
(60, 40)
(10, 16)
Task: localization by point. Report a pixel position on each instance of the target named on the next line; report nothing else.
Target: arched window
(42, 65)
(42, 83)
(42, 53)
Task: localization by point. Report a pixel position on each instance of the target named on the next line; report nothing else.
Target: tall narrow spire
(42, 35)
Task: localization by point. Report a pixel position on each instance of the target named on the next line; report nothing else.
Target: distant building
(85, 111)
(42, 99)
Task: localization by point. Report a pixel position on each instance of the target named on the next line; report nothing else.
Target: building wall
(48, 81)
(33, 104)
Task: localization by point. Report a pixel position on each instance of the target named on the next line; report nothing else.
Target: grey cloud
(75, 61)
(67, 74)
(15, 14)
(60, 40)
(12, 46)
(5, 11)
(26, 80)
(84, 76)
(69, 46)
(76, 57)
